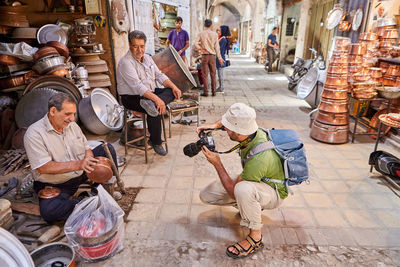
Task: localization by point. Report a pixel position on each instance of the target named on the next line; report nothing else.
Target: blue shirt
(223, 47)
(272, 38)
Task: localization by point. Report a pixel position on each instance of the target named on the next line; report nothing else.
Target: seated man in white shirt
(137, 75)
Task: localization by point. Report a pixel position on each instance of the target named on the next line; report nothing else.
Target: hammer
(119, 181)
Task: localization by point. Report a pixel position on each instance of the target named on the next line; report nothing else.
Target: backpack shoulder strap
(258, 149)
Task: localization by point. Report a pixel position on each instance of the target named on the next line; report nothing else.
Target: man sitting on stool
(60, 156)
(137, 75)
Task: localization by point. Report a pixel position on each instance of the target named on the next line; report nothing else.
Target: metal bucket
(54, 254)
(171, 64)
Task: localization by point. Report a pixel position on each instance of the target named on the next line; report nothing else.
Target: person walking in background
(179, 39)
(207, 43)
(272, 44)
(224, 48)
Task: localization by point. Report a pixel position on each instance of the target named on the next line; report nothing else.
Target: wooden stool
(180, 106)
(145, 137)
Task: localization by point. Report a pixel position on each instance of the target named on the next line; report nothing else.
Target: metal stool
(178, 107)
(145, 137)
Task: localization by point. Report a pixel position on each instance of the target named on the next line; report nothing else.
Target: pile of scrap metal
(13, 160)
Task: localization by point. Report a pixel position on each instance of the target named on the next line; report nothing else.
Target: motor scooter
(301, 67)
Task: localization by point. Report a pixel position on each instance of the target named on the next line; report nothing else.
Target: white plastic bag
(96, 228)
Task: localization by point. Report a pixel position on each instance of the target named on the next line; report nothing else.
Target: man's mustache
(67, 121)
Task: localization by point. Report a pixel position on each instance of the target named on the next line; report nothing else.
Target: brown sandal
(254, 246)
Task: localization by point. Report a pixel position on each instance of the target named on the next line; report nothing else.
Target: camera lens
(191, 149)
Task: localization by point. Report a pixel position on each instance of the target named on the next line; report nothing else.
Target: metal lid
(307, 83)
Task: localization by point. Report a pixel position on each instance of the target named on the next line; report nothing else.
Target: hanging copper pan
(332, 118)
(334, 94)
(332, 134)
(333, 106)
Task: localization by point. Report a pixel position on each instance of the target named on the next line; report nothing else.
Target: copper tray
(49, 192)
(61, 48)
(332, 134)
(374, 123)
(332, 118)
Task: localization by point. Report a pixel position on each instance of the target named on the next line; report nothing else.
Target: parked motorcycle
(301, 67)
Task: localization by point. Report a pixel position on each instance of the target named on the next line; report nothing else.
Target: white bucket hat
(240, 119)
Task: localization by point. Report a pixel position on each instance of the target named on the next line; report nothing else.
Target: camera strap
(241, 144)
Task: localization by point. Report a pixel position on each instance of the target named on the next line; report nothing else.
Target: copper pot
(357, 49)
(344, 26)
(393, 70)
(102, 171)
(386, 44)
(332, 118)
(390, 33)
(337, 70)
(333, 106)
(368, 36)
(45, 52)
(375, 72)
(8, 60)
(355, 68)
(364, 85)
(384, 66)
(333, 81)
(377, 81)
(339, 59)
(381, 30)
(389, 81)
(355, 60)
(334, 94)
(342, 41)
(341, 49)
(365, 94)
(361, 77)
(60, 47)
(11, 82)
(332, 134)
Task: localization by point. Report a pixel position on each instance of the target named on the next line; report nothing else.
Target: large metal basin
(100, 112)
(171, 64)
(332, 134)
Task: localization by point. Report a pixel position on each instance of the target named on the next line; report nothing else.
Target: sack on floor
(96, 227)
(290, 149)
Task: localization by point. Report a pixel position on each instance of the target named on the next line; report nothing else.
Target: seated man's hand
(212, 157)
(177, 93)
(160, 105)
(87, 163)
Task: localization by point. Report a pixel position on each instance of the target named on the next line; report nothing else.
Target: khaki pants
(251, 199)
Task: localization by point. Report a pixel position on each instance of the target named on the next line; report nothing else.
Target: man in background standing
(208, 45)
(179, 39)
(272, 44)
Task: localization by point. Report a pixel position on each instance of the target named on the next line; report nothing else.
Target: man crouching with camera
(248, 192)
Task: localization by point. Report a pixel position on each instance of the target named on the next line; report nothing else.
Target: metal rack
(358, 119)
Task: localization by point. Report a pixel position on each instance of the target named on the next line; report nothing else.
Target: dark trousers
(59, 208)
(132, 102)
(209, 65)
(271, 57)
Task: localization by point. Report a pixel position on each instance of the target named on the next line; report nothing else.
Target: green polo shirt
(264, 164)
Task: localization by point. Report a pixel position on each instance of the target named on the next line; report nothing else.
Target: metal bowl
(332, 118)
(333, 106)
(54, 254)
(334, 94)
(336, 81)
(333, 134)
(389, 92)
(101, 112)
(48, 63)
(102, 171)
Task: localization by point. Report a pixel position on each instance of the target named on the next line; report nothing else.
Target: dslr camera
(205, 139)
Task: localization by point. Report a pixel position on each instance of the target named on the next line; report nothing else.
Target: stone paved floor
(345, 216)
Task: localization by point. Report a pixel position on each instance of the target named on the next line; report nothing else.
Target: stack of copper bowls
(331, 124)
(364, 90)
(387, 34)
